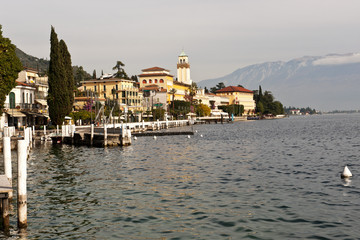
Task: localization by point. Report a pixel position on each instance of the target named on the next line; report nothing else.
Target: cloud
(338, 60)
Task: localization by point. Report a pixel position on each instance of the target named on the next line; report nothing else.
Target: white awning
(41, 101)
(15, 114)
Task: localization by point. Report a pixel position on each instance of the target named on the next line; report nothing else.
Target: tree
(80, 75)
(94, 74)
(60, 82)
(192, 93)
(120, 70)
(10, 66)
(203, 110)
(219, 86)
(172, 92)
(134, 78)
(68, 76)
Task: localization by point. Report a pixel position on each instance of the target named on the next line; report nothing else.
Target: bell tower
(183, 69)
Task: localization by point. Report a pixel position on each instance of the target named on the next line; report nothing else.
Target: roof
(153, 87)
(154, 75)
(183, 54)
(23, 84)
(182, 84)
(234, 89)
(154, 69)
(107, 80)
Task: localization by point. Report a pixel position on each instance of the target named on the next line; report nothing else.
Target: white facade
(22, 97)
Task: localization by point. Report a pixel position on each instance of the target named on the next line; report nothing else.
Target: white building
(20, 99)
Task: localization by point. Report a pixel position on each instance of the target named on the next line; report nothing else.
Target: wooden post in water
(30, 137)
(21, 191)
(7, 161)
(105, 135)
(44, 130)
(57, 129)
(92, 134)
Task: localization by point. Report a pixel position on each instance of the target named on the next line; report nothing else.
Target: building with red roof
(240, 96)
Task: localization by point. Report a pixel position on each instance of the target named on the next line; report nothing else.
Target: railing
(25, 106)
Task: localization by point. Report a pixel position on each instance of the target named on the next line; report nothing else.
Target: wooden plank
(5, 186)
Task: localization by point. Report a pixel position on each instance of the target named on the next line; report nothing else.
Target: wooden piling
(92, 134)
(7, 161)
(21, 191)
(45, 130)
(105, 134)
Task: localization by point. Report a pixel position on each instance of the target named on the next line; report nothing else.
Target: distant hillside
(32, 62)
(330, 82)
(42, 66)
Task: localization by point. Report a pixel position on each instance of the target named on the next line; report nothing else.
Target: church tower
(183, 69)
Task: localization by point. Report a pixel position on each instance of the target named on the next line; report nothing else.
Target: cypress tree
(60, 78)
(94, 74)
(10, 66)
(69, 76)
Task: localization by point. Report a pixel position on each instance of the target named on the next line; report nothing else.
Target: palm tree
(120, 71)
(173, 91)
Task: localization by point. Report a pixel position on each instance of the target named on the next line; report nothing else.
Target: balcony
(21, 106)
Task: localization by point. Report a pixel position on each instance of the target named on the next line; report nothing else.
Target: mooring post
(7, 161)
(30, 137)
(21, 191)
(57, 129)
(45, 130)
(92, 134)
(105, 135)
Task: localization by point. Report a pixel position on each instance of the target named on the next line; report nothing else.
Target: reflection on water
(261, 180)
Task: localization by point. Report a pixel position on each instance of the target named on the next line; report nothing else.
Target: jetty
(116, 134)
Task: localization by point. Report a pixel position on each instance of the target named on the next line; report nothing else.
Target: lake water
(273, 179)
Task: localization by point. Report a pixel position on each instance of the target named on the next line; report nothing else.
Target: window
(23, 97)
(150, 81)
(30, 97)
(123, 101)
(161, 80)
(144, 81)
(104, 95)
(155, 80)
(12, 100)
(104, 87)
(116, 87)
(84, 88)
(117, 95)
(27, 97)
(95, 88)
(123, 94)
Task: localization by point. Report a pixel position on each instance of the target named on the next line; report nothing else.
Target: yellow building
(162, 77)
(125, 92)
(239, 95)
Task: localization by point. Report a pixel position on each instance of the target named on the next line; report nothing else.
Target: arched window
(150, 81)
(161, 80)
(144, 81)
(31, 98)
(12, 100)
(155, 80)
(23, 97)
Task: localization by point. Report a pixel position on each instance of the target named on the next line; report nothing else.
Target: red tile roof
(154, 69)
(234, 89)
(154, 75)
(22, 84)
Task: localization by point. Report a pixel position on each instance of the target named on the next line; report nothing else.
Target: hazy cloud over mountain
(330, 82)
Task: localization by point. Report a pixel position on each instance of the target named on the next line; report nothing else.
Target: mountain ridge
(329, 82)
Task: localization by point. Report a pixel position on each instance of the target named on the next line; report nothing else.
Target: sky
(218, 36)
